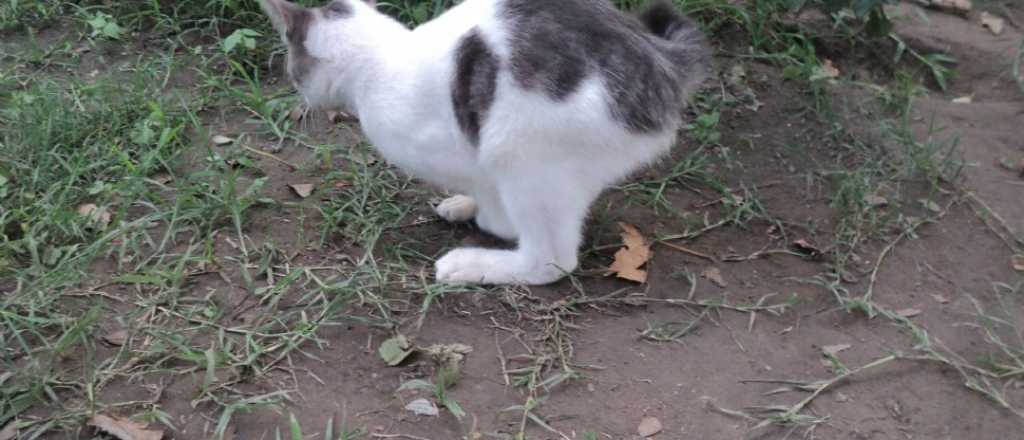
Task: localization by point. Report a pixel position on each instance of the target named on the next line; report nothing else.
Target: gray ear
(283, 15)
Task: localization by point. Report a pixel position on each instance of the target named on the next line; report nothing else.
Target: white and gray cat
(531, 108)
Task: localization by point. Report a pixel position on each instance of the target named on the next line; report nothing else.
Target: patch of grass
(15, 14)
(368, 198)
(181, 215)
(989, 378)
(70, 145)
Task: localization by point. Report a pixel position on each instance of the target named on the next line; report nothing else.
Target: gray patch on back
(474, 84)
(338, 9)
(557, 44)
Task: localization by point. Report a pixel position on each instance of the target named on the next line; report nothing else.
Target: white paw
(491, 266)
(462, 266)
(458, 208)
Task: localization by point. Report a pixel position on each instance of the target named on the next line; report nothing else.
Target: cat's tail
(681, 41)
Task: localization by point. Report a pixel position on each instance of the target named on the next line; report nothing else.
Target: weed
(115, 213)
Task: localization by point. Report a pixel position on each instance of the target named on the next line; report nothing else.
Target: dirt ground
(711, 381)
(674, 382)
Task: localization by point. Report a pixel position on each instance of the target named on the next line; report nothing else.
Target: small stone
(649, 427)
(422, 407)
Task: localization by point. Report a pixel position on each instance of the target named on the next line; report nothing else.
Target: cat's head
(312, 36)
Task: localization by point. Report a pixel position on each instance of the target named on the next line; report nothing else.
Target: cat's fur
(530, 107)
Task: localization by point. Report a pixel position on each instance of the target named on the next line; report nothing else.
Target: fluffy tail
(681, 41)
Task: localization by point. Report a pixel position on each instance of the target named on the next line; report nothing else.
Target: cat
(530, 108)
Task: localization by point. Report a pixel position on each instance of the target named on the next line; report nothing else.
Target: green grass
(134, 143)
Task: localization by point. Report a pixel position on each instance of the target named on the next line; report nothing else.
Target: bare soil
(628, 377)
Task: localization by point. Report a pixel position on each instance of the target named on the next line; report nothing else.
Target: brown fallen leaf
(930, 205)
(941, 299)
(832, 350)
(1013, 167)
(649, 427)
(124, 429)
(334, 117)
(221, 140)
(875, 200)
(10, 431)
(1017, 261)
(805, 247)
(908, 313)
(959, 7)
(635, 253)
(830, 69)
(826, 70)
(98, 217)
(302, 189)
(116, 338)
(993, 23)
(715, 276)
(298, 112)
(162, 178)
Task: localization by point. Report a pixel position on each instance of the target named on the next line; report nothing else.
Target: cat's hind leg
(491, 216)
(458, 208)
(547, 209)
(485, 206)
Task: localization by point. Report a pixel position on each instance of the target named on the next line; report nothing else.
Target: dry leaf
(632, 256)
(221, 140)
(302, 189)
(449, 357)
(961, 7)
(116, 338)
(826, 70)
(805, 247)
(715, 276)
(1017, 261)
(832, 350)
(930, 205)
(162, 178)
(941, 299)
(649, 427)
(873, 200)
(297, 113)
(1011, 166)
(830, 69)
(908, 313)
(334, 117)
(10, 431)
(124, 429)
(395, 350)
(963, 100)
(98, 217)
(422, 407)
(993, 23)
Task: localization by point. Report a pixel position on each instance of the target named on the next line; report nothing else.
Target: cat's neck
(374, 53)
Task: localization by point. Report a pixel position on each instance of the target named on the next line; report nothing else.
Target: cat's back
(559, 49)
(555, 46)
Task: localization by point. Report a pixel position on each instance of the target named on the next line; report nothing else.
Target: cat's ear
(283, 15)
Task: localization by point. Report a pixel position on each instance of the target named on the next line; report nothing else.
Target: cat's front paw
(492, 266)
(458, 208)
(463, 266)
